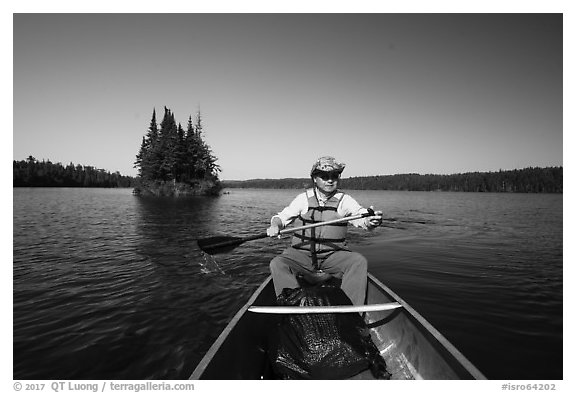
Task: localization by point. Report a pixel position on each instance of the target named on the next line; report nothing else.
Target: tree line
(170, 153)
(34, 173)
(527, 180)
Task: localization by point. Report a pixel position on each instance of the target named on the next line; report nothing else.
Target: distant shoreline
(527, 180)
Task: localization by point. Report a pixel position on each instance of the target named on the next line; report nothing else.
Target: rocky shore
(175, 189)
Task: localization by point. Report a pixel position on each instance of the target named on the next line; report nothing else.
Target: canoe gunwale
(207, 358)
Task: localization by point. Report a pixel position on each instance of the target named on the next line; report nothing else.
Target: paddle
(222, 244)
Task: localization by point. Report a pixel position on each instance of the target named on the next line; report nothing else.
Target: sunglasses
(328, 175)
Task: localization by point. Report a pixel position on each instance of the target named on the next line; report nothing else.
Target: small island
(174, 162)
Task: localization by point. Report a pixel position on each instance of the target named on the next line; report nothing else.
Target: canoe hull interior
(412, 348)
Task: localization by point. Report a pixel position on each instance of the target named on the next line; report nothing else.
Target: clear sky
(385, 93)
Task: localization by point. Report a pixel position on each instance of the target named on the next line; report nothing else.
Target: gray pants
(350, 266)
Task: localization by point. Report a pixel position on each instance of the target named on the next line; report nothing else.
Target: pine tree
(180, 154)
(206, 162)
(191, 151)
(148, 160)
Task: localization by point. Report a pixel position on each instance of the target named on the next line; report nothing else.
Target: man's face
(327, 182)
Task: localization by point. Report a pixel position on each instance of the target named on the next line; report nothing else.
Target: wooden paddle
(222, 244)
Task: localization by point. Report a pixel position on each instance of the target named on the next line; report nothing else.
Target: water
(108, 285)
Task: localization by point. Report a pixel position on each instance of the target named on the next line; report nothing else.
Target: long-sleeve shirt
(348, 207)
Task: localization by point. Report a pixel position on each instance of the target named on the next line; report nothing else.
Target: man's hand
(275, 226)
(376, 220)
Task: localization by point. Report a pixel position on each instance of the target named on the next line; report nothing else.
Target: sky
(384, 93)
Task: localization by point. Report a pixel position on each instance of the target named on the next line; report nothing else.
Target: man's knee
(358, 261)
(274, 265)
(278, 264)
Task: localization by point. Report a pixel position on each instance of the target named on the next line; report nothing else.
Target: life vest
(323, 240)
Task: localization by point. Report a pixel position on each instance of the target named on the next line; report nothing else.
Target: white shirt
(347, 207)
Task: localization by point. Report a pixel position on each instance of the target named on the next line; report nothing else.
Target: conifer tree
(190, 148)
(205, 163)
(180, 154)
(149, 156)
(167, 142)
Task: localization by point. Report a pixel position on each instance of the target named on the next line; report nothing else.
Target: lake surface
(108, 285)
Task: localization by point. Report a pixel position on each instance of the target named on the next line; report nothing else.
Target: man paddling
(321, 251)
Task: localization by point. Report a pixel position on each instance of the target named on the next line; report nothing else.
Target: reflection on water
(108, 285)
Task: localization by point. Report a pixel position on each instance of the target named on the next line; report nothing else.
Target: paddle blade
(219, 244)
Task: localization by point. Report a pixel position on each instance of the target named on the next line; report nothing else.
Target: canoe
(411, 347)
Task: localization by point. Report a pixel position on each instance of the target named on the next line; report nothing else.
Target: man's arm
(284, 218)
(350, 207)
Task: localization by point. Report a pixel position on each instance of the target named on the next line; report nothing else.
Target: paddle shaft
(319, 224)
(236, 242)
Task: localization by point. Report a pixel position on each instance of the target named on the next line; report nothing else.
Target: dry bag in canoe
(322, 346)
